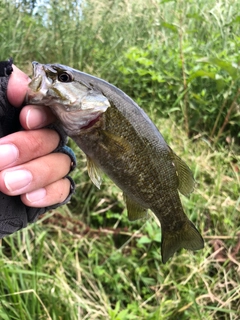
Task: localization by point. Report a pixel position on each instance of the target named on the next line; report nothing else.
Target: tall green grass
(185, 53)
(180, 61)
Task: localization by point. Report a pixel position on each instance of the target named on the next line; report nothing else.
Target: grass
(69, 266)
(179, 60)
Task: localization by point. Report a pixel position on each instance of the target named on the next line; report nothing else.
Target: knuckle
(38, 142)
(59, 191)
(34, 142)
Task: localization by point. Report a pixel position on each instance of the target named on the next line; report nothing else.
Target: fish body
(119, 139)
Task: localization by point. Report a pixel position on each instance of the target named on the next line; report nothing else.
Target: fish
(119, 140)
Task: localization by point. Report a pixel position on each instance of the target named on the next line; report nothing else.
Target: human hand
(27, 166)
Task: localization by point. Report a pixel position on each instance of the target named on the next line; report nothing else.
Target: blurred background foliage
(176, 58)
(179, 60)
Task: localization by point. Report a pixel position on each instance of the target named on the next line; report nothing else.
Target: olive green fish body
(121, 153)
(120, 140)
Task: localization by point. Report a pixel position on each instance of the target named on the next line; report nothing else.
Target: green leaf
(144, 240)
(157, 237)
(202, 73)
(230, 67)
(170, 26)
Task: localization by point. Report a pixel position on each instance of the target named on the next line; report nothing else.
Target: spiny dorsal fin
(135, 211)
(185, 176)
(94, 173)
(187, 237)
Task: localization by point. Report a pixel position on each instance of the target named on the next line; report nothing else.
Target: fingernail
(36, 195)
(8, 154)
(35, 118)
(16, 180)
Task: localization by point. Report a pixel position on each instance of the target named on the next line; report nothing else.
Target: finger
(35, 174)
(17, 87)
(23, 146)
(35, 117)
(52, 194)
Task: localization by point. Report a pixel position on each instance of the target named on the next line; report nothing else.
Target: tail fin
(187, 237)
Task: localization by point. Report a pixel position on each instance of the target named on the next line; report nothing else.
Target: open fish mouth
(40, 84)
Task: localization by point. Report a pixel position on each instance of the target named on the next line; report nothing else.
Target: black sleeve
(14, 215)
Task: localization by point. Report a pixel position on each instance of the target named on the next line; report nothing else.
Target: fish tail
(187, 237)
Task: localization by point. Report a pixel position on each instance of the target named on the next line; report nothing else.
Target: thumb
(17, 87)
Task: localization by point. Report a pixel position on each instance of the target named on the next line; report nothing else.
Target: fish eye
(65, 77)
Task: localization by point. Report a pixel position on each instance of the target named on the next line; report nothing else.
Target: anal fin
(135, 211)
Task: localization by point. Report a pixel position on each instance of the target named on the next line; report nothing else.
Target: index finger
(28, 145)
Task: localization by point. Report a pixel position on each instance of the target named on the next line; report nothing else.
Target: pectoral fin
(114, 143)
(94, 172)
(135, 211)
(185, 177)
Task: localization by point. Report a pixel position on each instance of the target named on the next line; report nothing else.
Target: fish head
(75, 102)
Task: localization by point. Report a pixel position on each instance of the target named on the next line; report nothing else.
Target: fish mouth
(75, 103)
(43, 69)
(40, 83)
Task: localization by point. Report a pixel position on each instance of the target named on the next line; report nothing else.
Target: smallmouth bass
(119, 139)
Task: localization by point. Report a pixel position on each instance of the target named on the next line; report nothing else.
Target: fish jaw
(76, 104)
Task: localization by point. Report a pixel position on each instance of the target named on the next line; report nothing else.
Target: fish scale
(119, 139)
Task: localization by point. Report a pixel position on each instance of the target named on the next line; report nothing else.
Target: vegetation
(180, 61)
